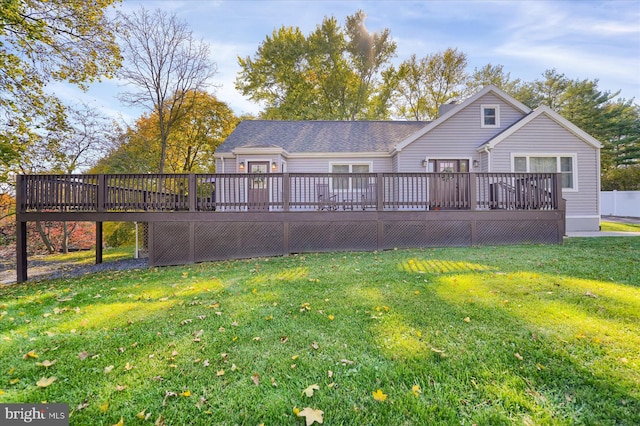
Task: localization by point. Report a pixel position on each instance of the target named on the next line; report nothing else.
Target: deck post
(102, 192)
(21, 231)
(193, 193)
(379, 192)
(473, 185)
(562, 206)
(21, 251)
(98, 242)
(286, 187)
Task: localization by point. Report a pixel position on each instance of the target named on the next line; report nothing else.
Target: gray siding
(321, 165)
(545, 136)
(458, 137)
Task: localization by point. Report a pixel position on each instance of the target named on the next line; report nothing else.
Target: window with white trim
(350, 184)
(548, 164)
(490, 116)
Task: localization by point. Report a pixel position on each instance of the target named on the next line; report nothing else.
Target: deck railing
(288, 192)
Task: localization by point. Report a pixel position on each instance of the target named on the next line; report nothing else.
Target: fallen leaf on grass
(311, 416)
(220, 373)
(120, 388)
(167, 394)
(14, 381)
(120, 423)
(439, 352)
(141, 414)
(44, 382)
(30, 354)
(315, 345)
(108, 369)
(309, 390)
(256, 378)
(379, 395)
(186, 393)
(467, 319)
(415, 389)
(104, 407)
(83, 355)
(517, 355)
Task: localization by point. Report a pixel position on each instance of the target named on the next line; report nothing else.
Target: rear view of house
(490, 132)
(488, 171)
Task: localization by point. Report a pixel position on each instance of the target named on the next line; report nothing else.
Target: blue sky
(582, 39)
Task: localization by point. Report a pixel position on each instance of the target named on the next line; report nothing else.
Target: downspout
(488, 151)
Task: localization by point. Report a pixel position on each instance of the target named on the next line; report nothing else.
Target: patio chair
(369, 197)
(326, 200)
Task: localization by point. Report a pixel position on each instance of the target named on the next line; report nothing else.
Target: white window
(563, 164)
(355, 183)
(490, 116)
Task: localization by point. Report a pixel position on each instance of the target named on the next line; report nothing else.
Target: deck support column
(473, 198)
(21, 251)
(98, 242)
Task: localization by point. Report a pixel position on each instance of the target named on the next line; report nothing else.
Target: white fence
(620, 203)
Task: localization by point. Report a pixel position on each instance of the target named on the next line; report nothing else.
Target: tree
(622, 148)
(615, 123)
(621, 178)
(190, 147)
(421, 86)
(492, 75)
(197, 135)
(166, 65)
(333, 74)
(40, 42)
(79, 147)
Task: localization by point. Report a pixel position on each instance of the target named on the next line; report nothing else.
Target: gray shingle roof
(321, 136)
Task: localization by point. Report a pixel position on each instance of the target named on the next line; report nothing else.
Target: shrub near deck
(493, 335)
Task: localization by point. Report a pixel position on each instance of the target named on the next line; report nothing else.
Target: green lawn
(89, 256)
(488, 336)
(619, 227)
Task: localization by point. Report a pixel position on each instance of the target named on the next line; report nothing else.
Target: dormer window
(490, 116)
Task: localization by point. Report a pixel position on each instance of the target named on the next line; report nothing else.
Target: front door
(448, 189)
(258, 185)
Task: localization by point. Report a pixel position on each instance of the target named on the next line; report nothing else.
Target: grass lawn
(89, 256)
(487, 336)
(619, 227)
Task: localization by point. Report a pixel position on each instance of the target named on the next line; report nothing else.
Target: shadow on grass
(387, 321)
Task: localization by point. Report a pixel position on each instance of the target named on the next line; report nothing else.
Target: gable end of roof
(453, 111)
(542, 109)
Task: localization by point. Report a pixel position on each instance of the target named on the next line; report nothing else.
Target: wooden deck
(198, 217)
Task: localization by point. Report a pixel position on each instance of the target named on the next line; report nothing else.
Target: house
(500, 173)
(490, 132)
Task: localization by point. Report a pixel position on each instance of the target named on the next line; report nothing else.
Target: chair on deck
(326, 200)
(369, 197)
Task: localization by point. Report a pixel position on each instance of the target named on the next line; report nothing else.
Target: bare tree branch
(165, 65)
